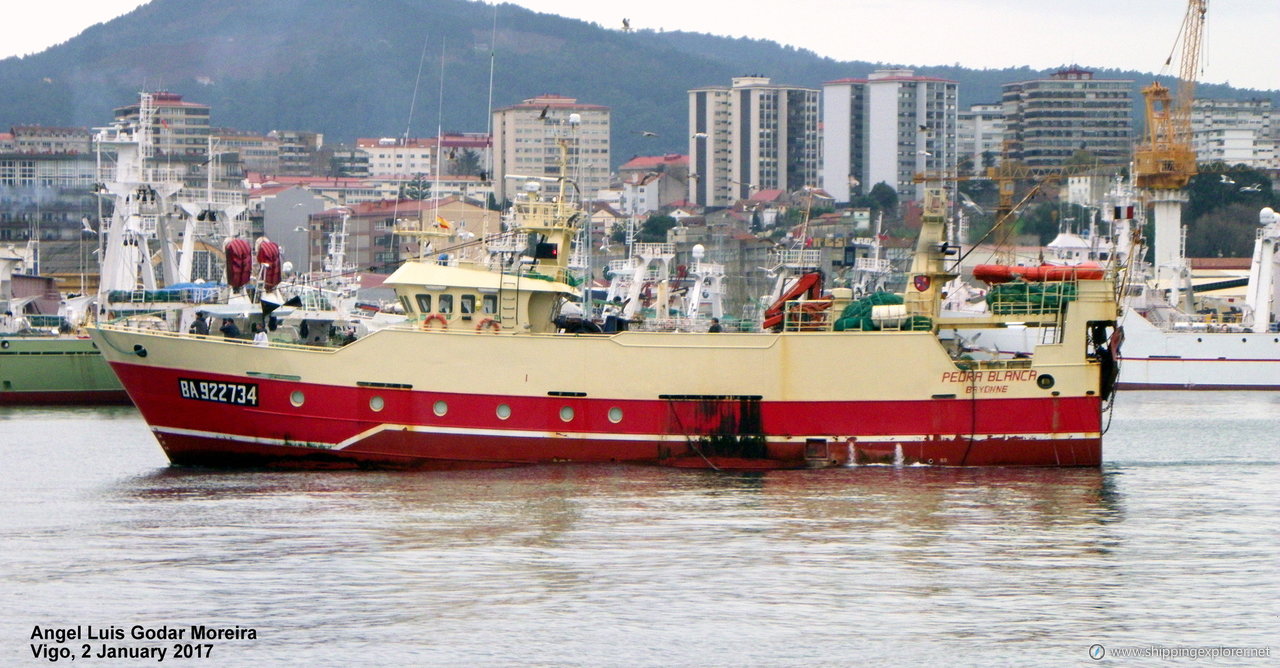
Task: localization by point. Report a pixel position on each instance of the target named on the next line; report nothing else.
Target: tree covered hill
(351, 68)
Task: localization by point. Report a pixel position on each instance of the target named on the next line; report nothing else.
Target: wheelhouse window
(467, 304)
(489, 304)
(424, 303)
(406, 304)
(446, 304)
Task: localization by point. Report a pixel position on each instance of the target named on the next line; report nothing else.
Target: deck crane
(1165, 161)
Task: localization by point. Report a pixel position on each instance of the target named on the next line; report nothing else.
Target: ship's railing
(148, 175)
(672, 325)
(994, 364)
(560, 274)
(506, 242)
(872, 264)
(209, 295)
(806, 315)
(653, 249)
(1031, 298)
(798, 259)
(213, 337)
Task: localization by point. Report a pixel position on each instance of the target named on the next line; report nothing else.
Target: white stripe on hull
(646, 438)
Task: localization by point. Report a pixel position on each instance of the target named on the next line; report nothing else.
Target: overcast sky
(1242, 38)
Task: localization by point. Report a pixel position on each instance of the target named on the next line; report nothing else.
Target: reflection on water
(619, 565)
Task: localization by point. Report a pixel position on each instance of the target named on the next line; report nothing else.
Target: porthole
(4, 344)
(376, 404)
(566, 413)
(615, 415)
(297, 398)
(504, 411)
(1045, 382)
(440, 408)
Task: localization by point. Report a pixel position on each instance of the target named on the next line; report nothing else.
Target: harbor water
(1172, 543)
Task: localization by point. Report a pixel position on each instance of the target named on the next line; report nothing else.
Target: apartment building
(980, 136)
(40, 139)
(179, 127)
(1048, 120)
(258, 153)
(1235, 132)
(300, 152)
(399, 156)
(46, 180)
(750, 136)
(652, 182)
(887, 128)
(526, 136)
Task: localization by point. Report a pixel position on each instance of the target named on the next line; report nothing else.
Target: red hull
(336, 427)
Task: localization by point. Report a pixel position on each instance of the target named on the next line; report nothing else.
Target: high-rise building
(1047, 121)
(525, 142)
(1235, 132)
(179, 127)
(887, 128)
(752, 135)
(980, 136)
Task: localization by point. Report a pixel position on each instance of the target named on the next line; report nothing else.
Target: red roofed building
(180, 128)
(650, 183)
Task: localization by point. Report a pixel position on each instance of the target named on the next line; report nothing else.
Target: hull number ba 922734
(240, 394)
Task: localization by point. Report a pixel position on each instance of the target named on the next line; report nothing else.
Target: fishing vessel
(42, 359)
(1177, 337)
(483, 375)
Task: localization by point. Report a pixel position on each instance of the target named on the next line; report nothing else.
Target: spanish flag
(443, 223)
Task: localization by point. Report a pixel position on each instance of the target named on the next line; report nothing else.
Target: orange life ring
(435, 317)
(492, 324)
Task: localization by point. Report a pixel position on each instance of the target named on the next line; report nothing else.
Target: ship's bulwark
(467, 401)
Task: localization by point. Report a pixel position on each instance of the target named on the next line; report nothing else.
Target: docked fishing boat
(43, 359)
(482, 375)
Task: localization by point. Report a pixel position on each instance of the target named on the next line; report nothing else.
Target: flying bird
(647, 133)
(626, 25)
(543, 116)
(1227, 180)
(1255, 188)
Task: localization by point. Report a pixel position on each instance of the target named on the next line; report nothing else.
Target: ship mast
(928, 273)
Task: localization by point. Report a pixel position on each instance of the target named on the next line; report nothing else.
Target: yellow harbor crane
(1165, 161)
